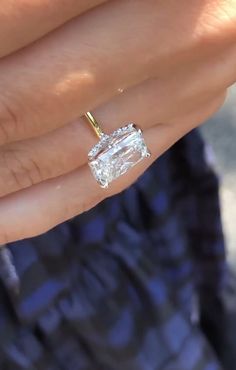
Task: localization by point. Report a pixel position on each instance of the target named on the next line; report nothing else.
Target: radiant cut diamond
(115, 154)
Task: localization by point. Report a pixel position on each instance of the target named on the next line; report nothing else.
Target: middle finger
(78, 67)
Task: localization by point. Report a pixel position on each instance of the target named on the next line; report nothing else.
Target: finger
(35, 210)
(29, 162)
(78, 67)
(24, 21)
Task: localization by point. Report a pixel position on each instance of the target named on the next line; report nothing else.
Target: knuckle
(216, 26)
(206, 111)
(9, 121)
(21, 170)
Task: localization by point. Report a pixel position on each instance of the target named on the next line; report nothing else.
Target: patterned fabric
(122, 286)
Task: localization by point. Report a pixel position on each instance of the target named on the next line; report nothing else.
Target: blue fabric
(121, 286)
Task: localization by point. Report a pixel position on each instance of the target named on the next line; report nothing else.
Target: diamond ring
(116, 153)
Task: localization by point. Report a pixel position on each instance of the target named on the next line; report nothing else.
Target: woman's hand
(164, 65)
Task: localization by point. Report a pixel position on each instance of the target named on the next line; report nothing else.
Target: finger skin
(33, 211)
(28, 162)
(17, 17)
(82, 65)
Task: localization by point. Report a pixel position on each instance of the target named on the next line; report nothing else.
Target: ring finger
(35, 210)
(29, 162)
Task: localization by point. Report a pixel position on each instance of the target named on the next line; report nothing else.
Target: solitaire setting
(116, 153)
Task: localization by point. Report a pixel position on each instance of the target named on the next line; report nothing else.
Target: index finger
(24, 21)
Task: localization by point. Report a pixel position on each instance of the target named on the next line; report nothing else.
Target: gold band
(94, 123)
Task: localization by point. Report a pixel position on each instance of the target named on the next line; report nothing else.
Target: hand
(172, 60)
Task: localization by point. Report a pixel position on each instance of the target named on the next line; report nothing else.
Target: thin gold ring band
(94, 123)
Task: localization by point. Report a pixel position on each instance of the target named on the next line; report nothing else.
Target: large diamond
(115, 154)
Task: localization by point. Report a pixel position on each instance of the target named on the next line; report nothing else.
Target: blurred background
(220, 133)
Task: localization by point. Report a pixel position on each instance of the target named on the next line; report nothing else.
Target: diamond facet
(115, 154)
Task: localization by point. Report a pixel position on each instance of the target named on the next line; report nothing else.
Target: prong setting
(116, 153)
